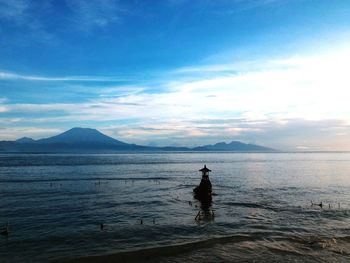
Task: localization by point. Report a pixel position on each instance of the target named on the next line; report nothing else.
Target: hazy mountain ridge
(25, 140)
(88, 140)
(233, 146)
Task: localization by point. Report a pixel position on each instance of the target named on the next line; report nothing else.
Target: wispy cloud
(5, 75)
(14, 133)
(13, 10)
(222, 7)
(88, 15)
(26, 17)
(30, 18)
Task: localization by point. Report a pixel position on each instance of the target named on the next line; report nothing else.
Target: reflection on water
(55, 205)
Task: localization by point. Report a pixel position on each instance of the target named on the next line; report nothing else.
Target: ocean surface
(55, 205)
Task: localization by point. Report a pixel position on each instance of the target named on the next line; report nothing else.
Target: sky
(178, 72)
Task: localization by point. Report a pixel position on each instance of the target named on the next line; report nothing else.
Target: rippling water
(55, 204)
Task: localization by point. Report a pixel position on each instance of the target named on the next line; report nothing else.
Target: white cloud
(3, 108)
(313, 87)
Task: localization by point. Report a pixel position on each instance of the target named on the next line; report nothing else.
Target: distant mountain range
(86, 140)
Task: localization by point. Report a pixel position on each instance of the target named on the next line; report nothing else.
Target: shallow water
(55, 204)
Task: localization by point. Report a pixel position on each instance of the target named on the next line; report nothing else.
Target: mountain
(86, 140)
(234, 146)
(25, 140)
(82, 136)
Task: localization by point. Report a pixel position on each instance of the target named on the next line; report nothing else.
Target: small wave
(251, 205)
(160, 251)
(289, 245)
(100, 179)
(143, 203)
(184, 186)
(222, 186)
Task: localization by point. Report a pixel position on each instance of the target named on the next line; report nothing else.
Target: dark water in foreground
(55, 204)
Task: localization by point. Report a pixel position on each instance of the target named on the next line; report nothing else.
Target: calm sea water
(55, 204)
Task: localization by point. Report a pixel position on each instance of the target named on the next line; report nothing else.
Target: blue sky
(178, 72)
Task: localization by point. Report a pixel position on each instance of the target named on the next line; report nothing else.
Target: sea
(138, 207)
